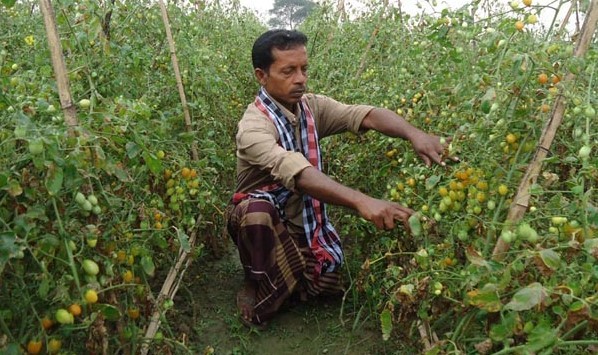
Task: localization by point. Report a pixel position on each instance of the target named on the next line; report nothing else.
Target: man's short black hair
(261, 54)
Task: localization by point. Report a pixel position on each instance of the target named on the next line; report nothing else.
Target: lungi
(280, 263)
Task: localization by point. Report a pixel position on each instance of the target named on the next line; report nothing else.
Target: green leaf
(550, 258)
(133, 149)
(110, 312)
(8, 248)
(386, 323)
(154, 164)
(3, 181)
(54, 179)
(9, 3)
(527, 298)
(541, 337)
(44, 288)
(184, 240)
(415, 225)
(432, 181)
(148, 265)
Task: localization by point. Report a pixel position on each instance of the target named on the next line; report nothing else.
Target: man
(286, 243)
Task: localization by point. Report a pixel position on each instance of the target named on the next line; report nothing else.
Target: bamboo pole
(179, 81)
(60, 72)
(365, 53)
(175, 275)
(169, 290)
(521, 200)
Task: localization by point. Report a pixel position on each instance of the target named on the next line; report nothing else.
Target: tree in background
(290, 13)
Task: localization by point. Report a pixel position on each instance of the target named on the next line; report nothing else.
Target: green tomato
(584, 152)
(84, 103)
(80, 198)
(92, 199)
(507, 236)
(64, 317)
(90, 267)
(557, 221)
(525, 231)
(87, 206)
(96, 210)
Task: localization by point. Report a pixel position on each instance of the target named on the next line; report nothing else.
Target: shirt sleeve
(333, 117)
(257, 145)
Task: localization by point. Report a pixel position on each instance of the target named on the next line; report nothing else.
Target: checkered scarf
(321, 235)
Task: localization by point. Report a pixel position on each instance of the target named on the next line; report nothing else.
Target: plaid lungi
(280, 263)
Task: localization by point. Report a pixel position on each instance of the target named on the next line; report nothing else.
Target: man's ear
(261, 76)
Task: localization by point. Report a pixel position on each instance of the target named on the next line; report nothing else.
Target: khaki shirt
(261, 161)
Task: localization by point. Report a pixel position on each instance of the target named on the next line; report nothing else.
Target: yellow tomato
(503, 189)
(128, 276)
(74, 309)
(54, 346)
(34, 346)
(91, 296)
(133, 313)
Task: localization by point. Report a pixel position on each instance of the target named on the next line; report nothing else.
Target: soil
(205, 318)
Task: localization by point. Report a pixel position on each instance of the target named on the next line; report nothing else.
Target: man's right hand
(384, 213)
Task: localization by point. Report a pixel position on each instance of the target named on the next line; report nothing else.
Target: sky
(261, 7)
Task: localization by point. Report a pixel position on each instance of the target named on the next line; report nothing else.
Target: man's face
(287, 78)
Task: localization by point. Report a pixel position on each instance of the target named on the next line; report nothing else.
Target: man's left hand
(430, 149)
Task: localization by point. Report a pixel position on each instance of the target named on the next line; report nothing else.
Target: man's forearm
(318, 185)
(389, 124)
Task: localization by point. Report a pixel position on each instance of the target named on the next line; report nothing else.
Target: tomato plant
(92, 220)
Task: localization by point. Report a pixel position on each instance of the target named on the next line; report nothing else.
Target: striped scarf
(322, 238)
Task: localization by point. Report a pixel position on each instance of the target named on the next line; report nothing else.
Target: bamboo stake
(367, 49)
(60, 72)
(175, 275)
(179, 81)
(169, 289)
(521, 200)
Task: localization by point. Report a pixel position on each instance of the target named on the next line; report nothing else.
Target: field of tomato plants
(94, 217)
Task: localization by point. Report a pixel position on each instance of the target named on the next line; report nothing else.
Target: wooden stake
(179, 81)
(169, 290)
(60, 72)
(175, 275)
(521, 200)
(367, 49)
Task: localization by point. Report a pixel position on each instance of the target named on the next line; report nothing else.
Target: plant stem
(67, 246)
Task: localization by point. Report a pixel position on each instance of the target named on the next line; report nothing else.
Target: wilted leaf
(487, 298)
(475, 258)
(14, 188)
(54, 180)
(527, 298)
(550, 258)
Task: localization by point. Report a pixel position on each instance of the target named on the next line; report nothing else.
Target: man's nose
(300, 77)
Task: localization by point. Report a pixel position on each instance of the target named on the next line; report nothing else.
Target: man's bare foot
(246, 305)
